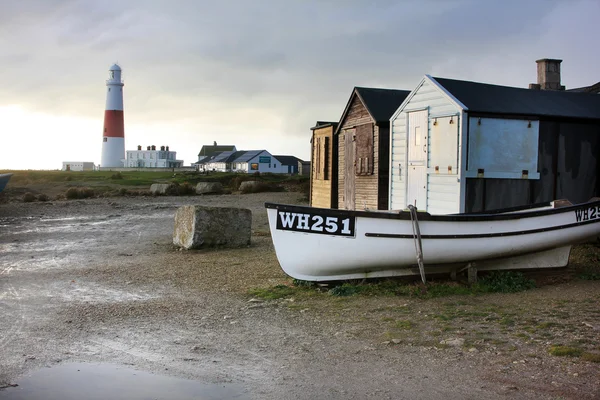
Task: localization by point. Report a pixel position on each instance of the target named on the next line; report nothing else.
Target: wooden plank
(349, 191)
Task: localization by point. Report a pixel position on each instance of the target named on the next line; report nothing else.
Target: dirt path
(98, 281)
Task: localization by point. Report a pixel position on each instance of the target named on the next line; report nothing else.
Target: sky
(255, 74)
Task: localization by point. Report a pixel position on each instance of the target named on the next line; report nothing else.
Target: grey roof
(486, 98)
(223, 156)
(209, 150)
(288, 160)
(248, 155)
(381, 103)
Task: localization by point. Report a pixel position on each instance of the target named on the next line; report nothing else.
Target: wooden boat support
(417, 237)
(319, 244)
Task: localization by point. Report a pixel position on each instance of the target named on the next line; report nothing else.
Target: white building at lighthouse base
(152, 158)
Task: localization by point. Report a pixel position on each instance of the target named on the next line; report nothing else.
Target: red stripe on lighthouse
(113, 124)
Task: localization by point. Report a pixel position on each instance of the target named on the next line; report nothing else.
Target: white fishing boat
(4, 178)
(317, 244)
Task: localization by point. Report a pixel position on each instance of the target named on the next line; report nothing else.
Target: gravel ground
(99, 281)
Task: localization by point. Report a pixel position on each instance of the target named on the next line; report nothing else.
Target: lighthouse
(113, 137)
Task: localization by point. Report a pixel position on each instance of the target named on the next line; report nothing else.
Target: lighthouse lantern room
(113, 137)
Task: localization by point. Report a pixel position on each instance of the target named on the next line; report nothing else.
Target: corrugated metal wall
(568, 164)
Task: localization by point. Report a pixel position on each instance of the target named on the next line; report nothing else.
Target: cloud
(278, 65)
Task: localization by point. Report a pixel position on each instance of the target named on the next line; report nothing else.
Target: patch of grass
(546, 325)
(505, 282)
(275, 292)
(301, 283)
(507, 321)
(565, 351)
(445, 317)
(404, 324)
(589, 274)
(43, 197)
(521, 335)
(346, 289)
(591, 357)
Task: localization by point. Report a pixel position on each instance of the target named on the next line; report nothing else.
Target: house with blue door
(460, 146)
(250, 161)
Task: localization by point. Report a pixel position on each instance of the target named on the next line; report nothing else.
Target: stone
(453, 342)
(209, 188)
(160, 188)
(248, 185)
(200, 227)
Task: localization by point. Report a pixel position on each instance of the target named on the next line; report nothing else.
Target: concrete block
(200, 227)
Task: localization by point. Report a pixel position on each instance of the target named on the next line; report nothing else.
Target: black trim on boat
(512, 209)
(497, 215)
(482, 235)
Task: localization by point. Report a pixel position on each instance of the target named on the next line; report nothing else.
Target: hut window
(326, 158)
(503, 148)
(364, 149)
(318, 158)
(321, 158)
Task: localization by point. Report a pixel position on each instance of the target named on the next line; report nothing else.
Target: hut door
(416, 191)
(349, 170)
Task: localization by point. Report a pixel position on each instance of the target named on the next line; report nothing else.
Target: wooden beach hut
(323, 176)
(460, 146)
(362, 137)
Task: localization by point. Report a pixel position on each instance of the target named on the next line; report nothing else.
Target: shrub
(301, 283)
(28, 197)
(72, 193)
(85, 193)
(123, 192)
(43, 197)
(79, 193)
(346, 289)
(506, 282)
(116, 176)
(261, 187)
(186, 189)
(589, 274)
(237, 181)
(183, 189)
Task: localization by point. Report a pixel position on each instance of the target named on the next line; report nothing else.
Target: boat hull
(322, 244)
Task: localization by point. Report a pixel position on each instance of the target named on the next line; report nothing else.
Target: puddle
(105, 381)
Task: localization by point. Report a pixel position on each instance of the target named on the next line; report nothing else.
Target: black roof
(381, 103)
(595, 88)
(323, 124)
(486, 98)
(288, 160)
(209, 150)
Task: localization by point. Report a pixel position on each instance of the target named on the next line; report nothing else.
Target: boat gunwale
(495, 215)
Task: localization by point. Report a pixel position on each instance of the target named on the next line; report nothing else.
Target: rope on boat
(417, 237)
